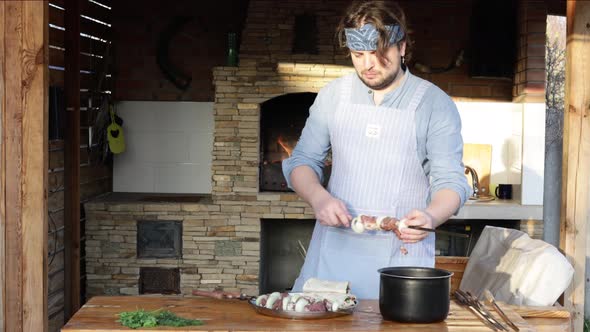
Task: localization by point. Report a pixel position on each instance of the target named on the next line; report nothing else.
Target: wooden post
(72, 158)
(24, 164)
(576, 154)
(2, 173)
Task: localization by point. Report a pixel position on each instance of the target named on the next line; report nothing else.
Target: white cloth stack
(516, 269)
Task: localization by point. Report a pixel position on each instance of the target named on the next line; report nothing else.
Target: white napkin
(516, 269)
(314, 285)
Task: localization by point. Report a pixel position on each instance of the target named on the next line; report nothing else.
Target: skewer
(490, 298)
(481, 313)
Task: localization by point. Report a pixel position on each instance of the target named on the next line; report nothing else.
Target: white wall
(533, 153)
(517, 134)
(169, 147)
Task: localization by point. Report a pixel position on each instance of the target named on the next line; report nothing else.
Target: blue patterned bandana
(365, 38)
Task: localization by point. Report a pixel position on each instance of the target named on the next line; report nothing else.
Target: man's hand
(328, 210)
(416, 218)
(331, 211)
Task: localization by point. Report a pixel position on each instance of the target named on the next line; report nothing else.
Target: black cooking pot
(414, 294)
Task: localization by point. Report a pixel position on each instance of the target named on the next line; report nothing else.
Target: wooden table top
(100, 314)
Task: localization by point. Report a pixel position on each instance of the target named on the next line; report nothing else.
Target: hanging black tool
(181, 80)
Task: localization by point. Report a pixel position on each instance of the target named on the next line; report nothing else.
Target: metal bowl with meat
(305, 305)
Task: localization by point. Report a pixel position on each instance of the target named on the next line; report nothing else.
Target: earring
(403, 60)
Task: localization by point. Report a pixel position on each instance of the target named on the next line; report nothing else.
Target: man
(396, 151)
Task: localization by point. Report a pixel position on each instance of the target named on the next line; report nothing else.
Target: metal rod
(439, 231)
(490, 298)
(474, 305)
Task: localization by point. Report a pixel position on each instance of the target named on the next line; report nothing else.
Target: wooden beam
(72, 158)
(576, 154)
(2, 173)
(23, 187)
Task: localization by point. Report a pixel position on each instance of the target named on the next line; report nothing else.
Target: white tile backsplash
(131, 176)
(169, 147)
(198, 145)
(182, 178)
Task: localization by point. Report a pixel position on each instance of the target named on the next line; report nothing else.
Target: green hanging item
(115, 135)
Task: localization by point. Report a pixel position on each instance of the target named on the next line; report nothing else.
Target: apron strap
(420, 91)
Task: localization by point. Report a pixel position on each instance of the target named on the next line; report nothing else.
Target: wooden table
(100, 314)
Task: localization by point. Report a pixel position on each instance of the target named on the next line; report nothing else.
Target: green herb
(137, 319)
(169, 319)
(141, 318)
(587, 325)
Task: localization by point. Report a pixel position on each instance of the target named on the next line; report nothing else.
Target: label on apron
(373, 131)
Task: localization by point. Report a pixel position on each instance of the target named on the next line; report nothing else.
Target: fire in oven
(281, 121)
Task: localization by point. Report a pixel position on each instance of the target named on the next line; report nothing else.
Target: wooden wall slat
(87, 81)
(87, 45)
(89, 9)
(95, 11)
(58, 263)
(108, 3)
(55, 199)
(94, 179)
(72, 158)
(91, 189)
(87, 63)
(56, 158)
(56, 303)
(56, 283)
(56, 17)
(58, 2)
(56, 321)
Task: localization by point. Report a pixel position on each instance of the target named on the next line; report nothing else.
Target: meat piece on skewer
(369, 222)
(403, 250)
(387, 223)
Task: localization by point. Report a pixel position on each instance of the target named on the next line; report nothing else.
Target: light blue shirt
(438, 132)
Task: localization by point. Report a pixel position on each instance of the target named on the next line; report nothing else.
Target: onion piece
(357, 225)
(260, 298)
(286, 300)
(379, 221)
(402, 224)
(271, 299)
(300, 305)
(335, 306)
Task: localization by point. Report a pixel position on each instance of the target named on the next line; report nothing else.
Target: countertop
(491, 210)
(100, 314)
(500, 209)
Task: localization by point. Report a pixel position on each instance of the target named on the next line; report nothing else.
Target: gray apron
(375, 171)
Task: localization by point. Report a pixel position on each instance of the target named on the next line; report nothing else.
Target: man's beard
(384, 83)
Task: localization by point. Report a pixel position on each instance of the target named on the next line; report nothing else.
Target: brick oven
(259, 111)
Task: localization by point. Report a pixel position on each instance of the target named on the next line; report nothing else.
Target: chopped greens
(141, 318)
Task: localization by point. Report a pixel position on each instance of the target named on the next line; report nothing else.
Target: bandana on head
(365, 38)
